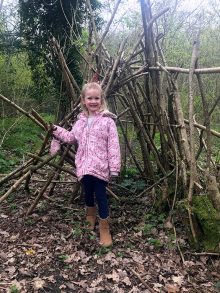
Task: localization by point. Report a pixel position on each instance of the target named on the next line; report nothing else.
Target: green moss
(209, 220)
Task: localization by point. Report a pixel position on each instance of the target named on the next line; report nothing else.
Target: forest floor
(53, 251)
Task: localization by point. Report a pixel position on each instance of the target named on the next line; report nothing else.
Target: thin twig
(156, 183)
(142, 281)
(177, 242)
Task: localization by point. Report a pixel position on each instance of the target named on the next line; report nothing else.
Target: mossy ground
(209, 220)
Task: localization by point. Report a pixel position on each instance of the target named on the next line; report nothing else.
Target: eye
(94, 98)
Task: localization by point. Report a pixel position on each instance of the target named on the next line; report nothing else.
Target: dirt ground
(53, 251)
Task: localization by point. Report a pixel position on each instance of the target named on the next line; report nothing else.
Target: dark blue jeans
(95, 188)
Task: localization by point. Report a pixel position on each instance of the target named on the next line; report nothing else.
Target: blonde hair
(93, 85)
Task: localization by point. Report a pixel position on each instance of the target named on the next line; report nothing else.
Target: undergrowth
(18, 136)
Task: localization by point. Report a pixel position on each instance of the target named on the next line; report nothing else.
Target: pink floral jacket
(98, 152)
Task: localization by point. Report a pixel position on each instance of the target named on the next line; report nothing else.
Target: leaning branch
(21, 110)
(186, 70)
(108, 26)
(213, 132)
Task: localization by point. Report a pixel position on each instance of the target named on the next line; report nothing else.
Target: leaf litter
(53, 251)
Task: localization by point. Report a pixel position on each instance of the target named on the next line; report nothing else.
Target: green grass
(19, 135)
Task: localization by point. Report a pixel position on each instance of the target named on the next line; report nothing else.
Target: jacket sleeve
(114, 154)
(64, 135)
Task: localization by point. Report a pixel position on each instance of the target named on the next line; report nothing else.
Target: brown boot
(105, 235)
(91, 217)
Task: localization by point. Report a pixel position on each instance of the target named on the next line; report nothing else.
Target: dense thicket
(153, 79)
(41, 21)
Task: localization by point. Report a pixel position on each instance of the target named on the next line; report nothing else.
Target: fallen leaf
(30, 252)
(4, 233)
(3, 216)
(96, 282)
(75, 257)
(70, 286)
(14, 237)
(157, 287)
(114, 276)
(168, 224)
(11, 254)
(11, 270)
(178, 280)
(11, 260)
(171, 288)
(38, 283)
(51, 279)
(3, 255)
(82, 283)
(126, 281)
(109, 256)
(24, 272)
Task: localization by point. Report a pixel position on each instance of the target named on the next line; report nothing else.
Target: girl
(98, 154)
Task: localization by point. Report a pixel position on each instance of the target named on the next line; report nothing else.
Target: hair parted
(93, 85)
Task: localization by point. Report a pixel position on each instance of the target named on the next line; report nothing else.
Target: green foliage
(21, 71)
(120, 254)
(102, 251)
(29, 222)
(129, 172)
(6, 164)
(155, 242)
(20, 136)
(14, 289)
(155, 219)
(62, 257)
(77, 231)
(151, 221)
(130, 180)
(10, 198)
(42, 205)
(217, 285)
(13, 206)
(63, 20)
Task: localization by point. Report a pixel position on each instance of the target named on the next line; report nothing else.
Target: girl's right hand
(52, 126)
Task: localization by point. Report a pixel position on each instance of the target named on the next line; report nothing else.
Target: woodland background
(37, 40)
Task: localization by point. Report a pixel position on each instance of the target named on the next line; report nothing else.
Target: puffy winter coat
(98, 152)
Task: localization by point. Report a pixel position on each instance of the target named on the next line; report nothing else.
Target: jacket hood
(107, 113)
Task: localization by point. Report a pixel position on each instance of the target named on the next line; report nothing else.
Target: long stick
(21, 110)
(15, 186)
(52, 164)
(213, 132)
(11, 175)
(108, 26)
(155, 184)
(44, 188)
(186, 70)
(193, 170)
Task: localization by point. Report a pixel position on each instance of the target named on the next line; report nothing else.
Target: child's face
(92, 100)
